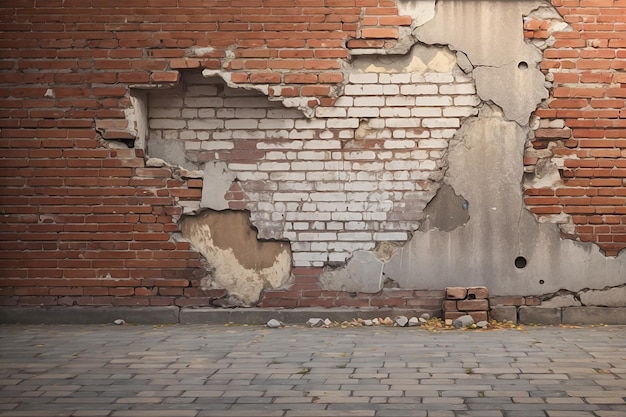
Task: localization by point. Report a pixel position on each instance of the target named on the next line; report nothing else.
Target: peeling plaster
(419, 59)
(217, 180)
(362, 273)
(242, 265)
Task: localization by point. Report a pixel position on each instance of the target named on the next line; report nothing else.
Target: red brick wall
(588, 65)
(87, 225)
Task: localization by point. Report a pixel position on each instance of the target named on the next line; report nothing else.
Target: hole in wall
(541, 282)
(522, 66)
(520, 262)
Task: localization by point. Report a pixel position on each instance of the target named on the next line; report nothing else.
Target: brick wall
(85, 223)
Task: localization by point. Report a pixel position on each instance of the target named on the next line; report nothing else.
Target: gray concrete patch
(539, 315)
(594, 315)
(504, 313)
(89, 315)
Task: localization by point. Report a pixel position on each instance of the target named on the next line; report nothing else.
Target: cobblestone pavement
(199, 370)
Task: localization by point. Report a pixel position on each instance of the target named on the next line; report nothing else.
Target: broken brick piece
(477, 293)
(456, 293)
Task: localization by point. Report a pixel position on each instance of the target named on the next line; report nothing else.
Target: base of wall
(255, 316)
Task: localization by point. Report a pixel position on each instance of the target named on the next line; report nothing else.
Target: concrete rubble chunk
(463, 321)
(401, 321)
(483, 324)
(414, 321)
(456, 293)
(274, 324)
(328, 322)
(425, 317)
(368, 322)
(315, 322)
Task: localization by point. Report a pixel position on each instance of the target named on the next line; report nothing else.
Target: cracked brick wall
(86, 221)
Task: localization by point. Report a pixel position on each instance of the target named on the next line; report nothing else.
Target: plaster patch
(241, 264)
(362, 273)
(446, 211)
(420, 59)
(608, 297)
(216, 183)
(422, 10)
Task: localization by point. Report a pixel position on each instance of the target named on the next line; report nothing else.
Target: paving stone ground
(203, 371)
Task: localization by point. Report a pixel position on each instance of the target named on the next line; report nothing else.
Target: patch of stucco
(240, 263)
(420, 58)
(446, 211)
(363, 273)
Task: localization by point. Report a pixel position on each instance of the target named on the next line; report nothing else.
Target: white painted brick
(346, 134)
(241, 124)
(247, 102)
(336, 165)
(417, 134)
(380, 236)
(363, 89)
(401, 165)
(391, 90)
(276, 124)
(418, 77)
(361, 186)
(201, 90)
(432, 144)
(406, 122)
(327, 196)
(347, 216)
(383, 155)
(319, 246)
(400, 101)
(443, 133)
(284, 113)
(250, 175)
(292, 236)
(223, 113)
(351, 246)
(319, 236)
(187, 135)
(305, 124)
(368, 166)
(275, 156)
(313, 155)
(399, 133)
(332, 206)
(403, 175)
(369, 101)
(170, 134)
(327, 176)
(427, 101)
(274, 166)
(287, 176)
(308, 207)
(344, 101)
(326, 112)
(249, 134)
(376, 124)
(420, 175)
(301, 134)
(234, 166)
(278, 216)
(328, 186)
(363, 112)
(460, 111)
(367, 78)
(189, 113)
(395, 112)
(290, 197)
(192, 145)
(318, 226)
(294, 144)
(466, 101)
(326, 134)
(203, 135)
(418, 89)
(428, 165)
(418, 154)
(457, 89)
(356, 206)
(276, 134)
(334, 226)
(166, 124)
(206, 113)
(349, 236)
(375, 216)
(208, 124)
(342, 123)
(356, 225)
(438, 77)
(366, 176)
(307, 216)
(214, 145)
(426, 112)
(307, 166)
(338, 256)
(435, 123)
(312, 257)
(250, 113)
(356, 197)
(322, 144)
(301, 246)
(295, 186)
(204, 102)
(399, 144)
(367, 155)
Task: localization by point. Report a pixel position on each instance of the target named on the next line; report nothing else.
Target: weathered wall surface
(389, 154)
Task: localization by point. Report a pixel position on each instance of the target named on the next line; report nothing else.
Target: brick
(477, 293)
(456, 293)
(472, 305)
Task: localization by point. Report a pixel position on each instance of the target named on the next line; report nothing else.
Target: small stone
(463, 321)
(368, 323)
(483, 324)
(274, 324)
(425, 317)
(119, 322)
(448, 322)
(401, 321)
(328, 322)
(315, 322)
(387, 321)
(421, 320)
(414, 321)
(375, 322)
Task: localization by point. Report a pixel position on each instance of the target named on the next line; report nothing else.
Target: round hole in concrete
(541, 282)
(520, 262)
(523, 65)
